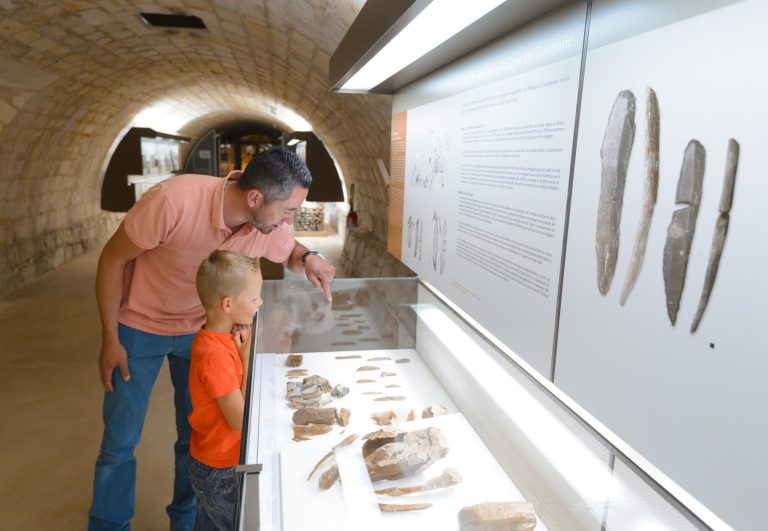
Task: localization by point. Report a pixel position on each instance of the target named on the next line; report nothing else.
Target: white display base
(353, 505)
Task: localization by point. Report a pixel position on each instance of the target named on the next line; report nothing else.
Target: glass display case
(420, 420)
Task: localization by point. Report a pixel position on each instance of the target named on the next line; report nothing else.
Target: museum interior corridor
(545, 218)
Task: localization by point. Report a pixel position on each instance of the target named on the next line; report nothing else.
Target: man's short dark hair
(275, 173)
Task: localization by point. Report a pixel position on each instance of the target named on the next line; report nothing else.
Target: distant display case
(483, 427)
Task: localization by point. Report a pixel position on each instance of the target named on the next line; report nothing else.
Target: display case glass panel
(447, 421)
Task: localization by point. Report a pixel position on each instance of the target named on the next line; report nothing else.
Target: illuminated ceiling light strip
(437, 23)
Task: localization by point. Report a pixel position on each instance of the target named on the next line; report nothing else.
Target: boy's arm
(232, 406)
(242, 335)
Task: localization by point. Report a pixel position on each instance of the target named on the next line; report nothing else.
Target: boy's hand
(242, 335)
(113, 355)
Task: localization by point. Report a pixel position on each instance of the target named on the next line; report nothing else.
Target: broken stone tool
(448, 478)
(348, 440)
(680, 231)
(310, 430)
(721, 230)
(614, 157)
(402, 454)
(403, 507)
(386, 418)
(650, 192)
(492, 516)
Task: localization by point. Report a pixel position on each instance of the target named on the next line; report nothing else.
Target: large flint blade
(650, 191)
(614, 157)
(721, 230)
(680, 231)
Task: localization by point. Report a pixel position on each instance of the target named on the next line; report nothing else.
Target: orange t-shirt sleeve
(151, 219)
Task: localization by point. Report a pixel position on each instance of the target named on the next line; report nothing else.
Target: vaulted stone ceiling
(75, 73)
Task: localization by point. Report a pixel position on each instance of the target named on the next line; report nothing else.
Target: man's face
(267, 218)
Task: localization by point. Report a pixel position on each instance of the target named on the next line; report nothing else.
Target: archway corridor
(74, 77)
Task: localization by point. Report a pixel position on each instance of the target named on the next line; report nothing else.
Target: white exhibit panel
(486, 183)
(676, 365)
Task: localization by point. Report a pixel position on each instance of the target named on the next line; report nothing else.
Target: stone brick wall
(73, 75)
(365, 255)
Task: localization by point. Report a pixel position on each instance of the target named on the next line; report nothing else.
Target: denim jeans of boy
(216, 491)
(124, 411)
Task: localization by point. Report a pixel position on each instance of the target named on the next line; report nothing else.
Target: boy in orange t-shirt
(229, 286)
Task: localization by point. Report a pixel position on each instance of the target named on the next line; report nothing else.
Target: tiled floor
(50, 405)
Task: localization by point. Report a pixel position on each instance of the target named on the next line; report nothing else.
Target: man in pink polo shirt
(145, 288)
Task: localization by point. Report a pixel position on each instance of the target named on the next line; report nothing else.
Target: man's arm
(319, 272)
(118, 251)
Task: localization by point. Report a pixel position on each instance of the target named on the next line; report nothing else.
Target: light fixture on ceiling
(173, 20)
(293, 142)
(435, 24)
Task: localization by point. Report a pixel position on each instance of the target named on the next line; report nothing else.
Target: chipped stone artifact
(367, 368)
(389, 398)
(403, 360)
(680, 231)
(313, 391)
(339, 391)
(310, 430)
(721, 230)
(614, 156)
(385, 374)
(385, 418)
(351, 357)
(448, 478)
(380, 358)
(650, 192)
(343, 417)
(434, 410)
(328, 478)
(366, 381)
(294, 360)
(393, 454)
(403, 507)
(347, 440)
(497, 516)
(315, 415)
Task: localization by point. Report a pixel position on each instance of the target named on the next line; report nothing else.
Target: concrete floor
(50, 405)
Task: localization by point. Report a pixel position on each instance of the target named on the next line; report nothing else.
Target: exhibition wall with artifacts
(587, 189)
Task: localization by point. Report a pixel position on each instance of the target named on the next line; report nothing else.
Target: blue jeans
(216, 491)
(124, 411)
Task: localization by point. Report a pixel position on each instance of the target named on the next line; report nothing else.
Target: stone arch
(74, 75)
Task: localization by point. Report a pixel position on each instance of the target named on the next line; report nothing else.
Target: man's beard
(265, 230)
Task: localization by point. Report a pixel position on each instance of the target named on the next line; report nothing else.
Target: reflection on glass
(364, 314)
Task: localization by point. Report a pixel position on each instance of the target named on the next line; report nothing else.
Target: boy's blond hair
(222, 274)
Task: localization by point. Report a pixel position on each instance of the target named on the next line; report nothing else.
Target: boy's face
(247, 303)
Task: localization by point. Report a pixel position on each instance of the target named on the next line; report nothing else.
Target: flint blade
(721, 231)
(682, 227)
(650, 191)
(614, 157)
